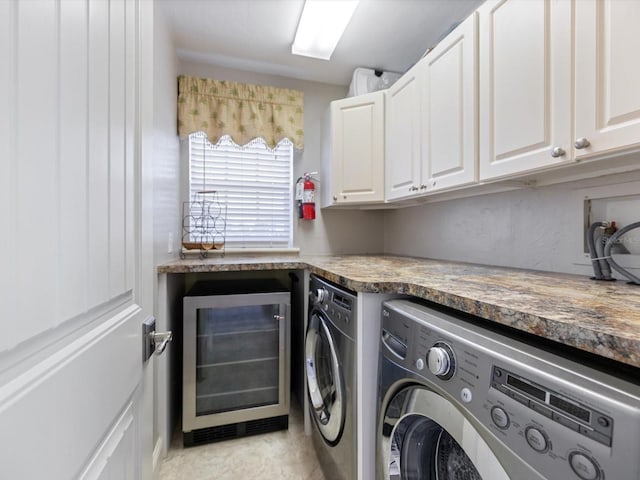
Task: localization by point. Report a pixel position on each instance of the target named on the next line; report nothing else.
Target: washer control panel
(564, 419)
(565, 411)
(338, 304)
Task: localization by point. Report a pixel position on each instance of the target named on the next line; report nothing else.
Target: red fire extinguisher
(306, 197)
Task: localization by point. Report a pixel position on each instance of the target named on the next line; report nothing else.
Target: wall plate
(148, 345)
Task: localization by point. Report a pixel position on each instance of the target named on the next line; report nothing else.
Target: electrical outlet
(170, 243)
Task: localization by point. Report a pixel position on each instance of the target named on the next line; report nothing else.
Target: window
(253, 185)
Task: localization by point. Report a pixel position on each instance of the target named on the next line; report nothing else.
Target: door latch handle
(161, 340)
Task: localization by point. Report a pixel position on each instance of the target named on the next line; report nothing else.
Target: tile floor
(283, 455)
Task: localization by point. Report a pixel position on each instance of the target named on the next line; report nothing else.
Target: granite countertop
(598, 317)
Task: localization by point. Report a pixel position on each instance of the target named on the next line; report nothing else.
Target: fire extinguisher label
(309, 196)
(299, 190)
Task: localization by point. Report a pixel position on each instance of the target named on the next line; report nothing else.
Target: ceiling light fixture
(321, 25)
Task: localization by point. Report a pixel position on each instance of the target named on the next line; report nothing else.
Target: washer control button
(584, 466)
(500, 417)
(420, 364)
(466, 395)
(536, 439)
(604, 422)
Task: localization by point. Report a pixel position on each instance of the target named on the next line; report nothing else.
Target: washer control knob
(500, 418)
(584, 466)
(420, 364)
(536, 439)
(321, 295)
(439, 360)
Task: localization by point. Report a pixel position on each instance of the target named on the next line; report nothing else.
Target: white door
(525, 86)
(607, 97)
(75, 230)
(358, 149)
(402, 137)
(449, 109)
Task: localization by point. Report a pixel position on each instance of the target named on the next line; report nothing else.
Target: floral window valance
(242, 111)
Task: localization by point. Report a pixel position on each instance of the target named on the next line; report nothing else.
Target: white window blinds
(254, 185)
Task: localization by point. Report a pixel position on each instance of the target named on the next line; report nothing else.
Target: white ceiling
(256, 35)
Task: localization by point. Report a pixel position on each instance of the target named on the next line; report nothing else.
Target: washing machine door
(325, 379)
(425, 437)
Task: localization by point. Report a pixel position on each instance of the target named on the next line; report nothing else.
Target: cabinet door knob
(335, 198)
(422, 187)
(582, 143)
(557, 152)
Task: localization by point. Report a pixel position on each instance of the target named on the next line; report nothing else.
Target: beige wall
(533, 228)
(333, 232)
(166, 157)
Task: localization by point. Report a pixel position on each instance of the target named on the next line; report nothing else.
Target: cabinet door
(607, 91)
(525, 86)
(357, 165)
(402, 157)
(449, 110)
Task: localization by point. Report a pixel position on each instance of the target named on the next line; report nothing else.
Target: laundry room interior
(408, 252)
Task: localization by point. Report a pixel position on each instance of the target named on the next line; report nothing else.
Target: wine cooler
(236, 357)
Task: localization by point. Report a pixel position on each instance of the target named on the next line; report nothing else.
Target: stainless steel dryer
(330, 357)
(461, 401)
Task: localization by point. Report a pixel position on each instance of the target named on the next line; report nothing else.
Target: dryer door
(325, 380)
(425, 437)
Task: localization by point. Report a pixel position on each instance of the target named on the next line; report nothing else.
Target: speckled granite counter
(597, 317)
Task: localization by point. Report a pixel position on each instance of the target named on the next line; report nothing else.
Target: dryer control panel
(564, 419)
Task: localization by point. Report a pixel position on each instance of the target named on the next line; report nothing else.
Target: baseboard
(157, 457)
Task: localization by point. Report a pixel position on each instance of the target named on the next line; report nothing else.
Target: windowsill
(240, 251)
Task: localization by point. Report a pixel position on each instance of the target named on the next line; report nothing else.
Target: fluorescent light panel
(321, 25)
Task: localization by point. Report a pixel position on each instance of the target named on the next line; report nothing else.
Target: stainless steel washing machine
(461, 401)
(330, 357)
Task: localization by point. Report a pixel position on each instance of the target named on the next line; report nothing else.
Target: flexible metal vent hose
(607, 252)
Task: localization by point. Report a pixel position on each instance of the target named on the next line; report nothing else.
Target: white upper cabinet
(449, 110)
(525, 86)
(356, 163)
(607, 91)
(402, 132)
